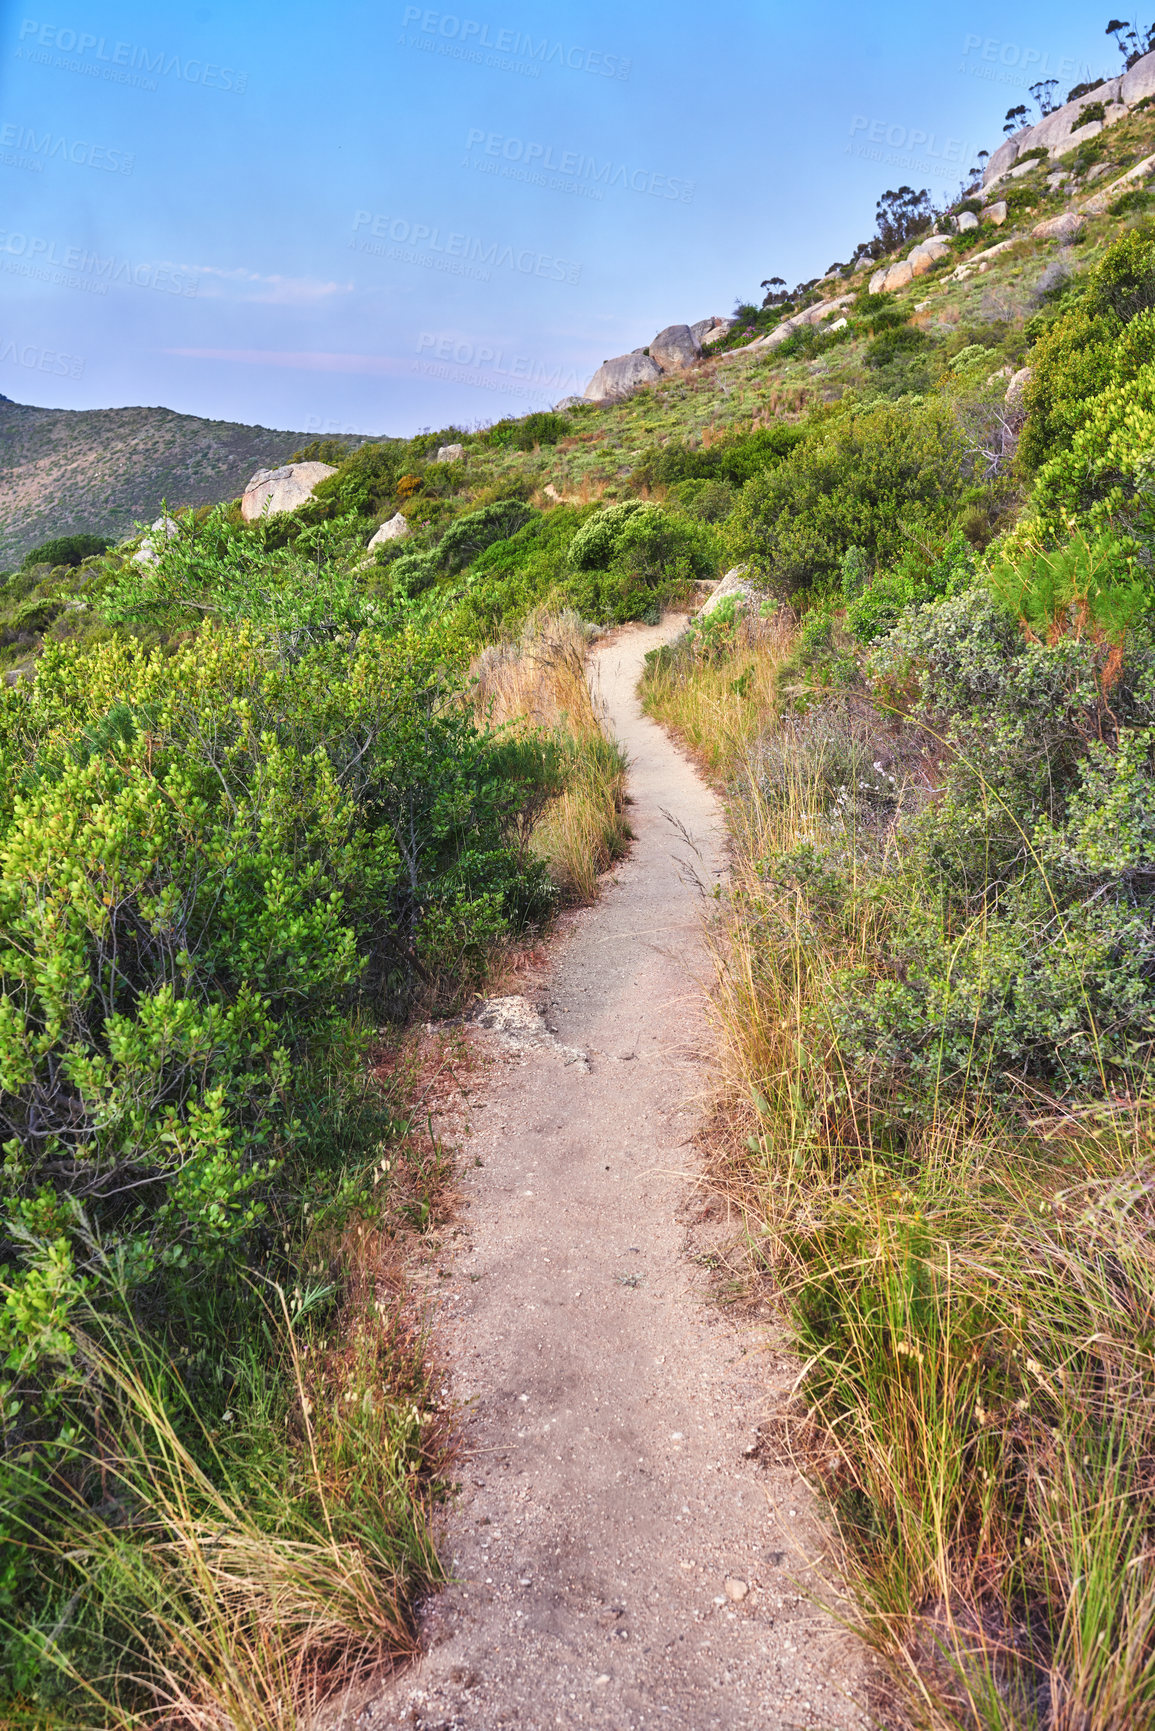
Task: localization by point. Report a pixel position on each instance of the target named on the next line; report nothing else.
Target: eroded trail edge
(612, 1511)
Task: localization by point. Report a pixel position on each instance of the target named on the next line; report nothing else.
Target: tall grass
(718, 687)
(541, 681)
(236, 1519)
(222, 1597)
(973, 1297)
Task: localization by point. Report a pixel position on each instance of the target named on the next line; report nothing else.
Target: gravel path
(622, 1560)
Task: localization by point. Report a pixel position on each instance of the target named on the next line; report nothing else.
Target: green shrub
(711, 501)
(1106, 339)
(425, 445)
(334, 450)
(733, 460)
(638, 557)
(472, 534)
(871, 479)
(206, 861)
(596, 542)
(877, 608)
(1017, 953)
(66, 550)
(34, 617)
(896, 344)
(542, 427)
(1132, 203)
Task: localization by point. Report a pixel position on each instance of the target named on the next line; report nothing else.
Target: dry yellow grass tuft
(540, 682)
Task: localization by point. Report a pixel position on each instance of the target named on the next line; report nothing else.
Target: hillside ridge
(102, 470)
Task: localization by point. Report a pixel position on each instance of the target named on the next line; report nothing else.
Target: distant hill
(68, 470)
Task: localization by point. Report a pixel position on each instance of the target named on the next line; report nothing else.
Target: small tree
(1043, 95)
(902, 214)
(1016, 119)
(1132, 41)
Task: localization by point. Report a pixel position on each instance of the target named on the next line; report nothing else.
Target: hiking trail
(622, 1557)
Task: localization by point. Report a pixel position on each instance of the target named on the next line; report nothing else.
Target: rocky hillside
(101, 470)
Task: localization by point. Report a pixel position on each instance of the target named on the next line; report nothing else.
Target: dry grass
(717, 690)
(221, 1598)
(974, 1301)
(540, 682)
(243, 1570)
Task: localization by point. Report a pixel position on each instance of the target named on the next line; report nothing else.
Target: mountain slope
(101, 470)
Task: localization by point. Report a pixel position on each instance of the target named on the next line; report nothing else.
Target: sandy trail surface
(611, 1488)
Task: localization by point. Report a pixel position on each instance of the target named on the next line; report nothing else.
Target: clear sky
(381, 217)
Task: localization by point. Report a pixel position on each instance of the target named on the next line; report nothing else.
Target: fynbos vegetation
(937, 1009)
(276, 793)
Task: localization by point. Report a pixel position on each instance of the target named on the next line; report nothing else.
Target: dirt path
(609, 1497)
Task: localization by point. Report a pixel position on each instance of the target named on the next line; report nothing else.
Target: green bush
(899, 343)
(1106, 339)
(543, 427)
(473, 533)
(66, 550)
(636, 557)
(876, 607)
(596, 542)
(207, 860)
(711, 501)
(1019, 942)
(872, 479)
(733, 460)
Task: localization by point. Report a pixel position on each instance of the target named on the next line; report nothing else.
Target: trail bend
(608, 1402)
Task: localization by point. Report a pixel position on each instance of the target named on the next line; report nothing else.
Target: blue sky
(380, 217)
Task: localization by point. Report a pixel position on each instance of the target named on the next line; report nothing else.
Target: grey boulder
(450, 453)
(675, 348)
(710, 330)
(164, 529)
(1017, 386)
(734, 584)
(617, 378)
(1059, 227)
(394, 530)
(272, 491)
(927, 254)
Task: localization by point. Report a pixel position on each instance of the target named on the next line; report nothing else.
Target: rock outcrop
(272, 491)
(151, 547)
(927, 254)
(1060, 132)
(617, 378)
(672, 351)
(1099, 202)
(394, 530)
(891, 277)
(1017, 386)
(675, 348)
(735, 585)
(450, 453)
(711, 330)
(1063, 227)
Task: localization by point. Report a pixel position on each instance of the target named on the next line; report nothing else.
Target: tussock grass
(973, 1296)
(541, 682)
(241, 1567)
(718, 691)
